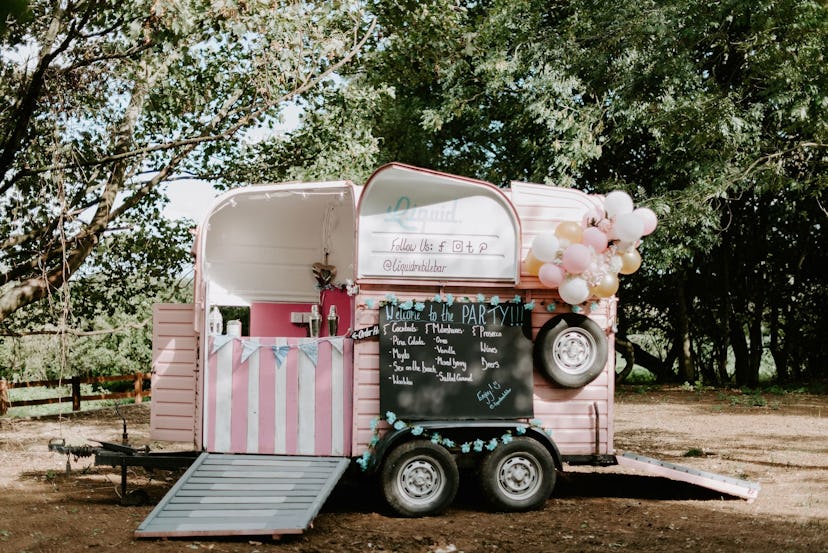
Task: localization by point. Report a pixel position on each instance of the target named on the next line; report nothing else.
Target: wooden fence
(137, 392)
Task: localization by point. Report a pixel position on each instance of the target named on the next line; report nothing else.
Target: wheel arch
(547, 442)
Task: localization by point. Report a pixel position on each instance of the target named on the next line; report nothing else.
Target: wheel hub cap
(574, 351)
(420, 480)
(518, 477)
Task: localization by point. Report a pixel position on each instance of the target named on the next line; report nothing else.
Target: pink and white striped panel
(296, 402)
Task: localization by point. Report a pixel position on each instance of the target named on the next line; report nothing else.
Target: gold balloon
(570, 230)
(630, 262)
(607, 286)
(532, 264)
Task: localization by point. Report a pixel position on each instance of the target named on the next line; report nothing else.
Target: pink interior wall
(344, 308)
(273, 319)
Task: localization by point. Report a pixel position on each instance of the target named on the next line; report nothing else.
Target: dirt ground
(780, 441)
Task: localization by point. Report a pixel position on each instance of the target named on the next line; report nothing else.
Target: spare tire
(570, 350)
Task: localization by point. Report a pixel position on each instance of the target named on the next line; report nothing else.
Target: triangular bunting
(280, 353)
(219, 341)
(249, 347)
(311, 349)
(337, 343)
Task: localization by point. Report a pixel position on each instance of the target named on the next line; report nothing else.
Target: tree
(108, 99)
(712, 114)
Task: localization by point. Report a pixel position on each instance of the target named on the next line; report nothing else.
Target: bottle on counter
(215, 321)
(315, 321)
(333, 321)
(234, 328)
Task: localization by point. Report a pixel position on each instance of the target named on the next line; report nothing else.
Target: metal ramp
(245, 495)
(731, 486)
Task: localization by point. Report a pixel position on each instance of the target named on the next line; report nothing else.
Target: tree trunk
(635, 354)
(778, 351)
(667, 375)
(625, 348)
(755, 352)
(740, 353)
(721, 364)
(687, 371)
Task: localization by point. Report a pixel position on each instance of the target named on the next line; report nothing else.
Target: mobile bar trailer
(399, 328)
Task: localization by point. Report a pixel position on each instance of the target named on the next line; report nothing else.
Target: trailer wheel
(518, 476)
(571, 350)
(419, 478)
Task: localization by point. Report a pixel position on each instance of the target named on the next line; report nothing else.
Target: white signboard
(422, 225)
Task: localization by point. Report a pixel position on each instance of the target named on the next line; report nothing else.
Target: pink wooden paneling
(173, 413)
(298, 405)
(567, 413)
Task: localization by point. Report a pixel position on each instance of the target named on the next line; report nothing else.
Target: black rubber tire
(518, 476)
(419, 478)
(570, 350)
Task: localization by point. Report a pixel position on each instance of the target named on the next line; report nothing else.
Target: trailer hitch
(122, 455)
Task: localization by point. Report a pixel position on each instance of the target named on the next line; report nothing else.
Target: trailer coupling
(123, 456)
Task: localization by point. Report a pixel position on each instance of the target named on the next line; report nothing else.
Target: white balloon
(617, 203)
(628, 227)
(615, 263)
(648, 217)
(574, 290)
(545, 247)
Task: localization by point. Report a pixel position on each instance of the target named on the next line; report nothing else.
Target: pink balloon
(550, 275)
(595, 238)
(648, 217)
(576, 258)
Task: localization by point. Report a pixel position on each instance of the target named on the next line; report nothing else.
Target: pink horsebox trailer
(397, 331)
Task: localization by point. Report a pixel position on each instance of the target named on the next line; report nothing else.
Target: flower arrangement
(476, 446)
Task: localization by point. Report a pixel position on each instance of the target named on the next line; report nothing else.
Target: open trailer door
(275, 403)
(279, 252)
(174, 370)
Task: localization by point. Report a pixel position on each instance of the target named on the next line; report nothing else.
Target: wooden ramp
(245, 495)
(725, 484)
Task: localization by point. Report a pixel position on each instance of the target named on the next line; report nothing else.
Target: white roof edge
(220, 200)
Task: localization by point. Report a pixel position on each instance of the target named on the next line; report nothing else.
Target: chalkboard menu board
(458, 361)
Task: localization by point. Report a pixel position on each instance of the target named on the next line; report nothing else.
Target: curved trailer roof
(259, 243)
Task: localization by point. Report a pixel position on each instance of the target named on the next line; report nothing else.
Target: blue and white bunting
(311, 349)
(249, 347)
(220, 340)
(280, 353)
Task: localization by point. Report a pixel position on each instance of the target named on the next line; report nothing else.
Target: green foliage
(713, 114)
(11, 9)
(108, 341)
(105, 100)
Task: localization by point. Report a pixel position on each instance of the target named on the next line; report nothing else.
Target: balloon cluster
(584, 259)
